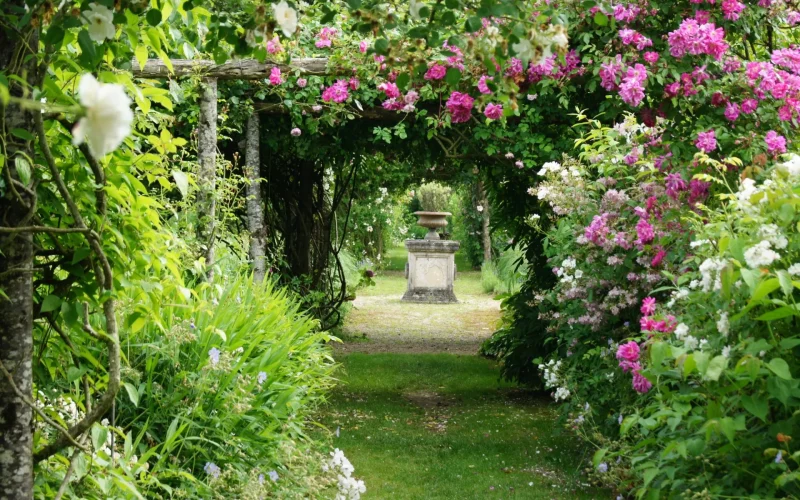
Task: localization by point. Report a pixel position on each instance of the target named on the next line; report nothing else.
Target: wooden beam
(375, 113)
(242, 69)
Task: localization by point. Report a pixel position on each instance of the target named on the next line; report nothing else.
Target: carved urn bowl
(432, 221)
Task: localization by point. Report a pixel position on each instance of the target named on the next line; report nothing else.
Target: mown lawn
(440, 426)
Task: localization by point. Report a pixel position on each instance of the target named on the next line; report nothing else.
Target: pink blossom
(732, 9)
(275, 76)
(393, 104)
(706, 141)
(651, 57)
(325, 37)
(302, 82)
(295, 132)
(732, 111)
(483, 88)
(363, 46)
(776, 143)
(632, 89)
(514, 67)
(411, 97)
(675, 184)
(648, 306)
(640, 383)
(274, 45)
(628, 352)
(630, 366)
(698, 190)
(597, 230)
(658, 258)
(645, 232)
(353, 83)
(749, 106)
(697, 39)
(460, 107)
(632, 37)
(390, 89)
(337, 92)
(493, 111)
(702, 16)
(436, 72)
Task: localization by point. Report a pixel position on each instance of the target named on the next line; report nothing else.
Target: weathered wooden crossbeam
(242, 69)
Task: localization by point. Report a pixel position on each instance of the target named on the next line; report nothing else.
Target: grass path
(418, 422)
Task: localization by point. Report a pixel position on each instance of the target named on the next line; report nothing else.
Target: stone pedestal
(431, 271)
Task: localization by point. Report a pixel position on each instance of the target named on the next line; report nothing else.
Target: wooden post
(485, 230)
(255, 208)
(207, 173)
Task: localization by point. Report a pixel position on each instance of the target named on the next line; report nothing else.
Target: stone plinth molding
(431, 271)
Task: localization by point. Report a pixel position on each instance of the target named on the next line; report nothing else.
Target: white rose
(286, 18)
(101, 22)
(108, 116)
(524, 50)
(413, 9)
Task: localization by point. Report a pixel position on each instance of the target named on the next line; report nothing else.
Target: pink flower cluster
(483, 88)
(632, 87)
(338, 92)
(493, 111)
(275, 77)
(633, 37)
(406, 103)
(514, 67)
(732, 9)
(274, 46)
(628, 356)
(460, 107)
(776, 143)
(457, 59)
(551, 68)
(626, 13)
(597, 231)
(706, 141)
(675, 185)
(697, 39)
(436, 72)
(325, 37)
(688, 84)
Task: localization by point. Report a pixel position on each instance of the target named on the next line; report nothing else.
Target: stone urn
(432, 221)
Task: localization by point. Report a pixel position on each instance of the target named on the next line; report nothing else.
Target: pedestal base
(431, 271)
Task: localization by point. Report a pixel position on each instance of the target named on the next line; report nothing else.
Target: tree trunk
(485, 230)
(255, 209)
(16, 263)
(207, 174)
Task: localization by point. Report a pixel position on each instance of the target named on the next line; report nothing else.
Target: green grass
(439, 426)
(394, 283)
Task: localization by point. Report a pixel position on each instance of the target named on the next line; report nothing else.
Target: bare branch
(44, 229)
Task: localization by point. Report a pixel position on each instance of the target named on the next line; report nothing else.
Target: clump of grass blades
(227, 377)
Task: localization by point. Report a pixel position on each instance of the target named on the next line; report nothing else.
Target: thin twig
(44, 229)
(27, 401)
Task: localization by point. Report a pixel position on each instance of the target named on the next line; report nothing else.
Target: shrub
(434, 197)
(489, 278)
(217, 390)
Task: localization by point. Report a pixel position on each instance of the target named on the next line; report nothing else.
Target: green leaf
(354, 4)
(99, 436)
(50, 303)
(23, 167)
(382, 46)
(182, 181)
(54, 36)
(598, 456)
(757, 406)
(600, 19)
(750, 277)
(402, 80)
(153, 17)
(88, 50)
(780, 368)
(782, 312)
(133, 394)
(141, 55)
(22, 134)
(627, 424)
(80, 254)
(786, 281)
(418, 32)
(716, 367)
(658, 352)
(453, 76)
(728, 428)
(765, 288)
(473, 24)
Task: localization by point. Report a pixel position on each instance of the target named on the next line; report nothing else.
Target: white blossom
(108, 117)
(760, 255)
(101, 22)
(723, 325)
(726, 351)
(772, 233)
(794, 270)
(690, 342)
(681, 330)
(524, 50)
(413, 9)
(286, 18)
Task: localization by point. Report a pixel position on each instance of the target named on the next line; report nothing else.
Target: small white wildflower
(760, 255)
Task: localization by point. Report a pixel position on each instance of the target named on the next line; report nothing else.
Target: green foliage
(434, 197)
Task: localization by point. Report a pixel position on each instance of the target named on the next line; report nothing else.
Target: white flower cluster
(760, 255)
(772, 233)
(710, 271)
(791, 167)
(567, 271)
(550, 374)
(350, 488)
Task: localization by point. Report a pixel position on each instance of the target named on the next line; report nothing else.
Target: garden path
(422, 416)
